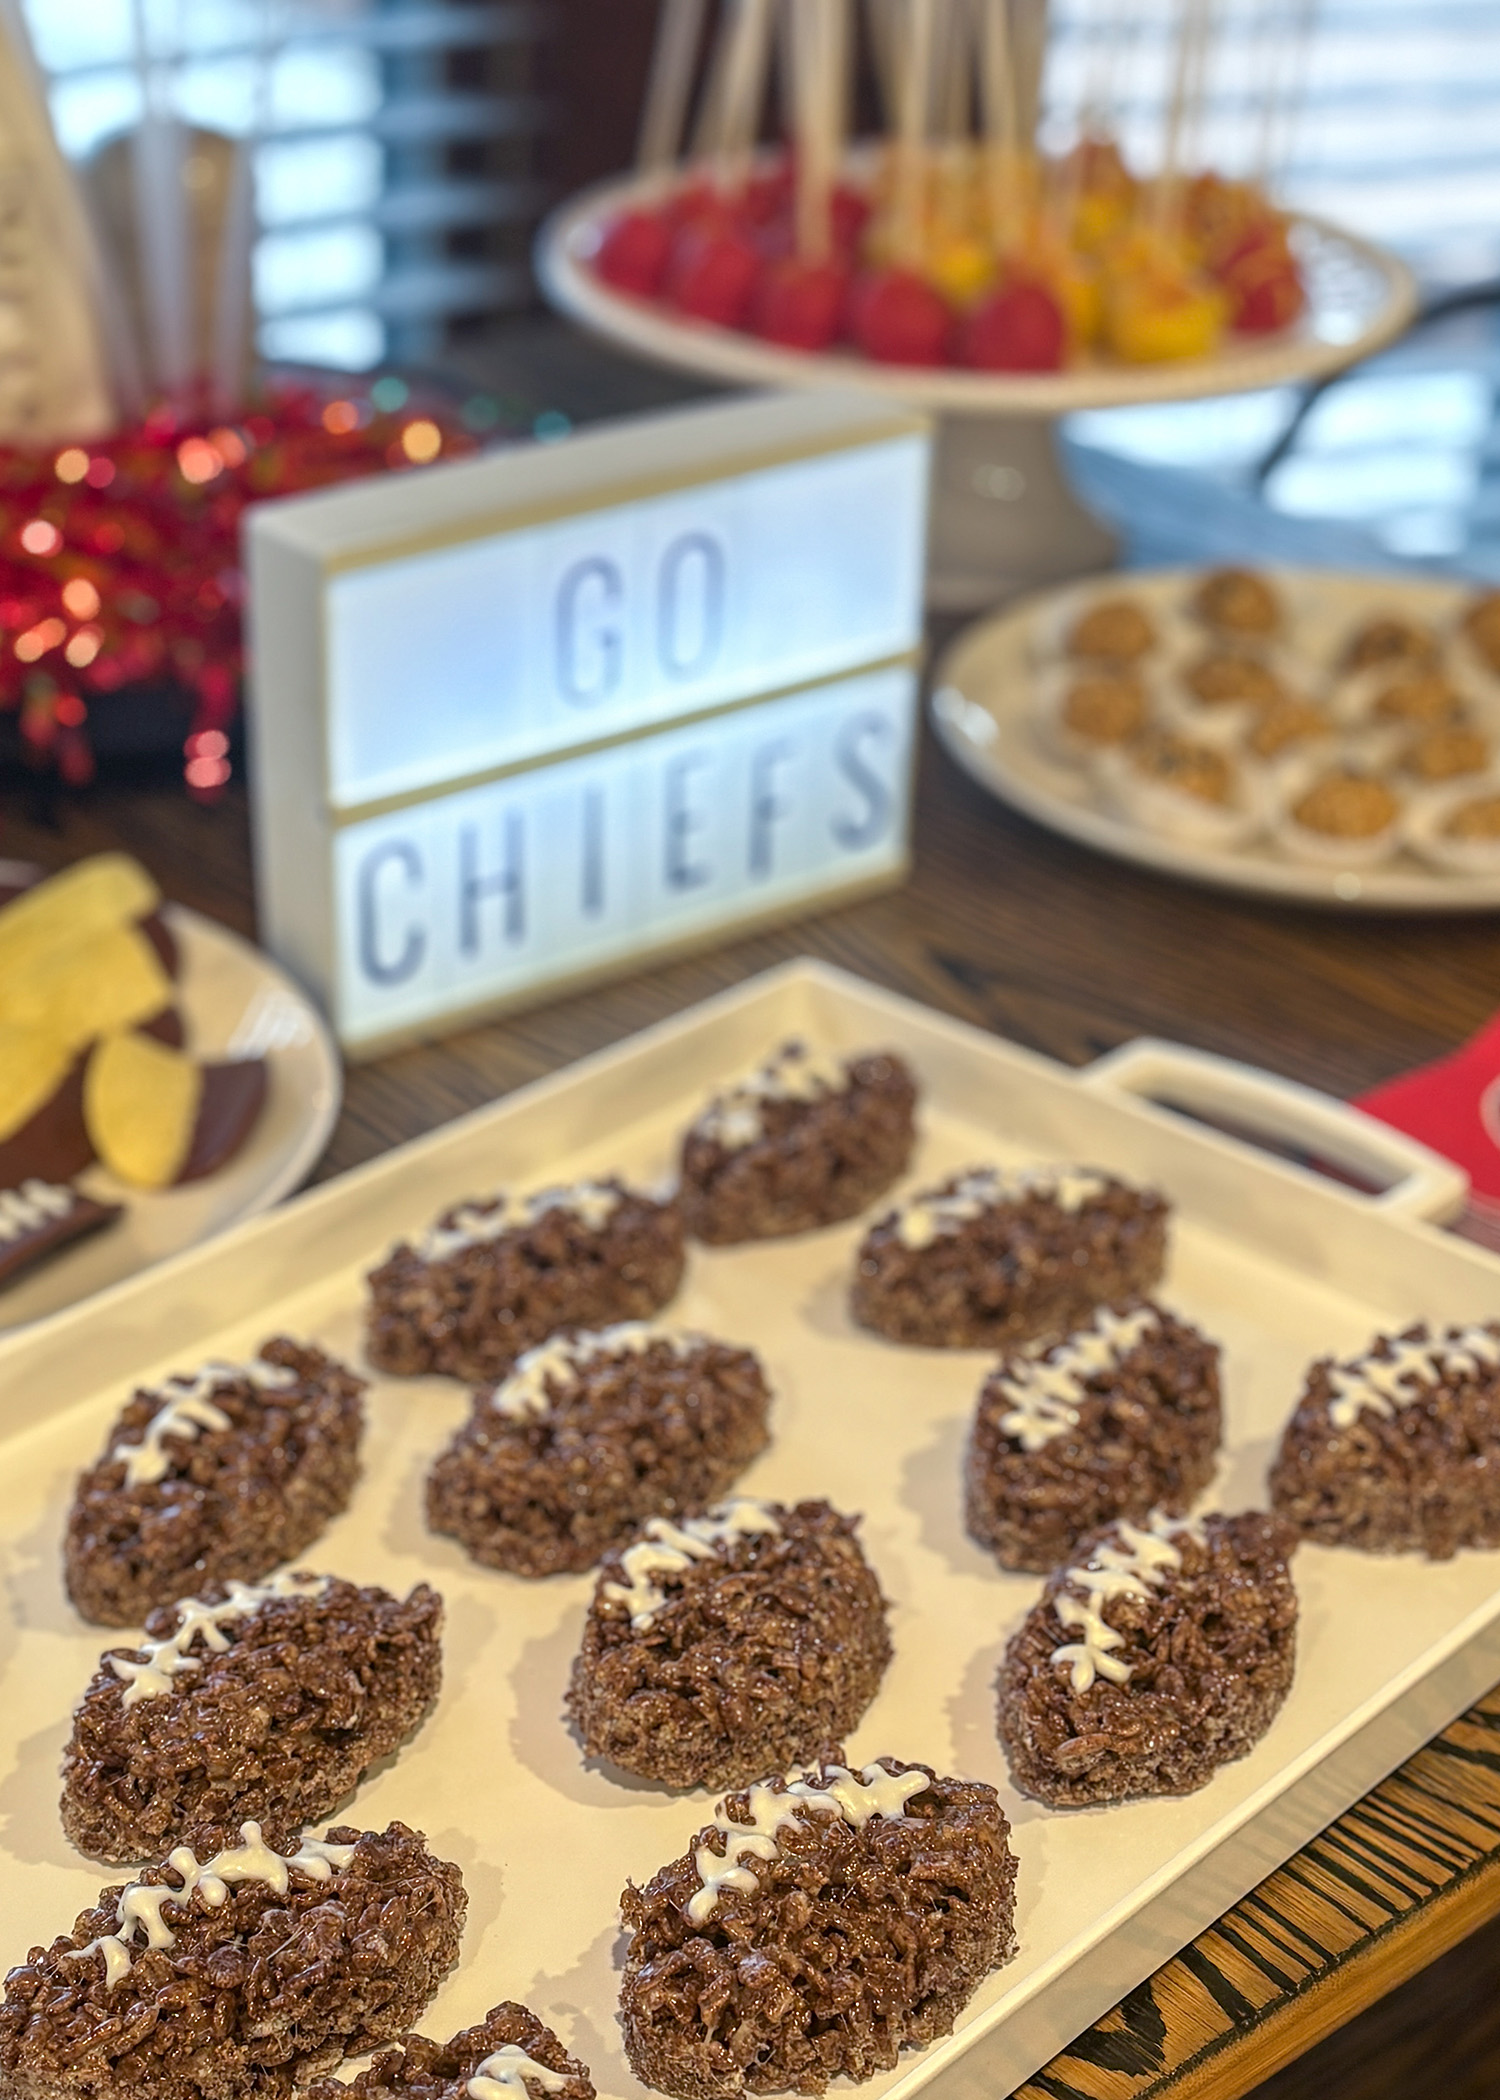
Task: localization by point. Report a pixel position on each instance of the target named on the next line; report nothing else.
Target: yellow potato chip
(140, 1102)
(32, 1068)
(88, 986)
(109, 889)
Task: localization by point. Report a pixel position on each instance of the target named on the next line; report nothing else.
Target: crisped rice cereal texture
(252, 1998)
(1425, 1479)
(1210, 1653)
(635, 1434)
(815, 1163)
(234, 1502)
(854, 1945)
(471, 1315)
(277, 1728)
(1146, 1437)
(1021, 1269)
(424, 2070)
(758, 1656)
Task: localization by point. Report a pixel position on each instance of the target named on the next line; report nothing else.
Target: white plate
(1359, 299)
(982, 710)
(235, 1002)
(1272, 1261)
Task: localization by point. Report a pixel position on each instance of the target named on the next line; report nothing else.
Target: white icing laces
(1380, 1386)
(505, 2074)
(875, 1793)
(140, 1907)
(932, 1216)
(189, 1409)
(671, 1549)
(1047, 1390)
(1133, 1569)
(163, 1660)
(32, 1208)
(560, 1360)
(733, 1119)
(472, 1226)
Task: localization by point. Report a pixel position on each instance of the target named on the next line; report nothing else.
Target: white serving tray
(1274, 1261)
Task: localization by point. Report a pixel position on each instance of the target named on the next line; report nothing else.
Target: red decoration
(1020, 328)
(896, 317)
(712, 273)
(799, 304)
(633, 253)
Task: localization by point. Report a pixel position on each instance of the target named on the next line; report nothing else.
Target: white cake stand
(1004, 516)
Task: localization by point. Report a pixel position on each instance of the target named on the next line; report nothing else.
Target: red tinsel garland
(119, 559)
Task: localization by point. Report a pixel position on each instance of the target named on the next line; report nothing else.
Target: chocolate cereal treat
(216, 1474)
(729, 1645)
(1238, 604)
(588, 1437)
(1397, 1450)
(268, 1701)
(803, 1141)
(509, 2056)
(493, 1278)
(814, 1929)
(40, 1218)
(237, 1977)
(1162, 1652)
(992, 1258)
(1119, 1418)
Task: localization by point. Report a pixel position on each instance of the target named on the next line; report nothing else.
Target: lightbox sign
(533, 717)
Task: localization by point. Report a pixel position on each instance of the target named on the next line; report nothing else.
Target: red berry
(896, 317)
(799, 303)
(633, 253)
(1020, 328)
(711, 274)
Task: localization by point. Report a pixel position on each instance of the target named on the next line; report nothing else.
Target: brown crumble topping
(1105, 707)
(1238, 601)
(1177, 762)
(1388, 641)
(1479, 819)
(1116, 628)
(1345, 805)
(1225, 677)
(1447, 753)
(1428, 697)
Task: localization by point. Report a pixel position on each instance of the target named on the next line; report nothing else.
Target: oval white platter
(981, 709)
(1360, 299)
(235, 1003)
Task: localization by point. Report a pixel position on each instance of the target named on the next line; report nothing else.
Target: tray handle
(1420, 1183)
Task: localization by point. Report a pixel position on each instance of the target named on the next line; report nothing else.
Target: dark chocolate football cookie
(729, 1645)
(1163, 1652)
(814, 1929)
(589, 1436)
(41, 1217)
(492, 1278)
(266, 1702)
(804, 1140)
(217, 1474)
(994, 1257)
(1398, 1449)
(1119, 1418)
(511, 2055)
(241, 1975)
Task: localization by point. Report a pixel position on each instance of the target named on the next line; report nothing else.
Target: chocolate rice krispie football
(729, 1645)
(492, 1278)
(266, 1702)
(1397, 1449)
(511, 2055)
(1160, 1653)
(589, 1436)
(1119, 1418)
(219, 1474)
(995, 1257)
(804, 1140)
(814, 1929)
(241, 1975)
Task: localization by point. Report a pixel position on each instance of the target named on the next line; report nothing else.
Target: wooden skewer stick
(1001, 123)
(915, 86)
(670, 84)
(747, 59)
(1164, 191)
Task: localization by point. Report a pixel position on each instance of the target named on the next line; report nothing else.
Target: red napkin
(1452, 1105)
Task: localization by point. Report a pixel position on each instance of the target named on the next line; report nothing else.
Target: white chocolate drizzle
(504, 2075)
(1133, 1569)
(560, 1360)
(32, 1208)
(474, 1225)
(1048, 1389)
(875, 1792)
(734, 1120)
(1381, 1386)
(671, 1549)
(163, 1660)
(929, 1217)
(188, 1409)
(139, 1911)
